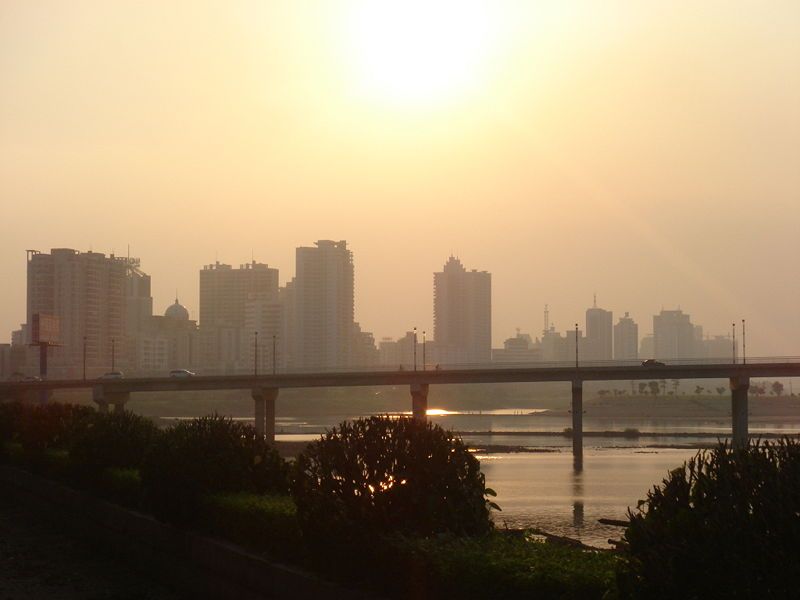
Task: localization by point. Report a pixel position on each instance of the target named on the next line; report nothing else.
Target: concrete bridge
(265, 388)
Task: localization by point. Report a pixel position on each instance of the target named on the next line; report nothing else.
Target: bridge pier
(419, 401)
(264, 409)
(739, 388)
(103, 398)
(577, 424)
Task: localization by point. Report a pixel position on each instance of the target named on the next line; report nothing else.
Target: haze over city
(647, 155)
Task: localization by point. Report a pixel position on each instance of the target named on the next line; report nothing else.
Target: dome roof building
(177, 311)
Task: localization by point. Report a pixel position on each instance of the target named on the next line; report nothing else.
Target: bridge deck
(444, 376)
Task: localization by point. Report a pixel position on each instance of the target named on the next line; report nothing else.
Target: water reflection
(577, 499)
(543, 491)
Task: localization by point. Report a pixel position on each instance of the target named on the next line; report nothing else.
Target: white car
(113, 375)
(179, 373)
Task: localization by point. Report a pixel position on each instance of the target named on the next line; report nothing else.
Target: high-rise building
(324, 306)
(264, 316)
(674, 335)
(462, 314)
(599, 336)
(88, 293)
(234, 304)
(626, 339)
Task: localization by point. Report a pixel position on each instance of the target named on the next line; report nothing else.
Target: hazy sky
(645, 151)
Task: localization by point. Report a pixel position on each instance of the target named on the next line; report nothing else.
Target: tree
(777, 388)
(642, 388)
(721, 390)
(698, 390)
(654, 388)
(676, 383)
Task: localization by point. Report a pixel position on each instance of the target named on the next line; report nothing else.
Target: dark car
(652, 362)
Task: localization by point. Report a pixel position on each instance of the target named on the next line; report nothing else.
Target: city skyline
(309, 323)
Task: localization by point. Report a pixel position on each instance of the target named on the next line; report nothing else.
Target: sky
(648, 152)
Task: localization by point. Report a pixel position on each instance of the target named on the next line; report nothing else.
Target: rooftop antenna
(595, 300)
(546, 318)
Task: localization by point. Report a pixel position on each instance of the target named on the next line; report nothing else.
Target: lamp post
(274, 363)
(415, 348)
(255, 355)
(576, 345)
(423, 350)
(733, 326)
(744, 344)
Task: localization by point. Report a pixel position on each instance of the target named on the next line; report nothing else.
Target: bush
(123, 486)
(380, 475)
(40, 427)
(205, 456)
(118, 439)
(10, 416)
(727, 523)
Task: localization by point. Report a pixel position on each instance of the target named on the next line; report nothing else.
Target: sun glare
(420, 52)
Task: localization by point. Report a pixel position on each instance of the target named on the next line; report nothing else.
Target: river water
(540, 488)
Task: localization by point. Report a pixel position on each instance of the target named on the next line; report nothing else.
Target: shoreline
(627, 434)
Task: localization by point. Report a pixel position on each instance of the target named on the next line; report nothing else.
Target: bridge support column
(419, 401)
(103, 398)
(264, 409)
(577, 424)
(739, 388)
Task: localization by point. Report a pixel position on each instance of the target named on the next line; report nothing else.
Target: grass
(265, 523)
(501, 565)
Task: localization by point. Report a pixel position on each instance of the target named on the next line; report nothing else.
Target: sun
(416, 52)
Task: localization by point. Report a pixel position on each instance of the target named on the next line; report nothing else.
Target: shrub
(382, 475)
(122, 486)
(727, 523)
(118, 439)
(10, 415)
(207, 455)
(46, 426)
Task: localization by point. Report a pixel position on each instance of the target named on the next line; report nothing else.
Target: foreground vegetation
(402, 507)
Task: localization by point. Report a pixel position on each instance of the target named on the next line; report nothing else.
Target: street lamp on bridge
(415, 348)
(255, 354)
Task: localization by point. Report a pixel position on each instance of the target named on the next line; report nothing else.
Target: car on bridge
(113, 375)
(181, 373)
(652, 362)
(17, 376)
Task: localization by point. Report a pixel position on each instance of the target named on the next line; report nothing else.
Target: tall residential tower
(462, 314)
